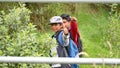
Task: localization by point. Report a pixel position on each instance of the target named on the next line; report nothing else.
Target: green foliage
(18, 37)
(114, 29)
(106, 6)
(43, 12)
(6, 6)
(94, 27)
(48, 11)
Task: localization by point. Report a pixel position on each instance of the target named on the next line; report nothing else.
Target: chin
(55, 30)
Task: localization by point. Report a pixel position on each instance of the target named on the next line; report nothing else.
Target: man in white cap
(62, 37)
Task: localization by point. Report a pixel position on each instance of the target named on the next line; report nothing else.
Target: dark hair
(56, 23)
(66, 16)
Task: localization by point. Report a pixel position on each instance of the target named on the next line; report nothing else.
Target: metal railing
(48, 60)
(84, 1)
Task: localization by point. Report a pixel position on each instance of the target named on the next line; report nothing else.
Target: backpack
(66, 51)
(79, 46)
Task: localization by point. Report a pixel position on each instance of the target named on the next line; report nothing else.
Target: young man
(59, 29)
(62, 37)
(66, 47)
(71, 25)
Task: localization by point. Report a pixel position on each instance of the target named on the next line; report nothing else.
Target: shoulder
(58, 34)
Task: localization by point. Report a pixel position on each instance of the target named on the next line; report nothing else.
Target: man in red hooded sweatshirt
(71, 24)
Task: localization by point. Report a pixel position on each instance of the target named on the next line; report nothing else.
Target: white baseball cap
(56, 19)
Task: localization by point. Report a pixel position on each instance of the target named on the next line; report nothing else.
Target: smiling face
(66, 23)
(56, 27)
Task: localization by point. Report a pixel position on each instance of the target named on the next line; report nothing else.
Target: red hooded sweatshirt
(74, 31)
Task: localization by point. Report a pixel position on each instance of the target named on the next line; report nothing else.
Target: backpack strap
(70, 34)
(57, 37)
(65, 48)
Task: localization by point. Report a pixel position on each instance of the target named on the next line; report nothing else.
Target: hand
(73, 19)
(65, 30)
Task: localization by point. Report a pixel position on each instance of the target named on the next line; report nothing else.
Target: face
(66, 23)
(56, 27)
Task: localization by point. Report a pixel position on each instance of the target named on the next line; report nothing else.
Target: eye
(64, 22)
(56, 24)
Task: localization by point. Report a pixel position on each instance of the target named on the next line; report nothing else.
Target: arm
(65, 36)
(66, 39)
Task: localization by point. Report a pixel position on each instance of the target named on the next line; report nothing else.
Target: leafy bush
(114, 25)
(42, 12)
(114, 29)
(19, 37)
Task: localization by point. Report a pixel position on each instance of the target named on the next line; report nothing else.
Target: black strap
(70, 35)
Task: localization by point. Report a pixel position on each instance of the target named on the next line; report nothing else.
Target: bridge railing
(84, 1)
(48, 60)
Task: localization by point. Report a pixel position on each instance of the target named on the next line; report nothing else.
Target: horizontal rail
(85, 1)
(48, 60)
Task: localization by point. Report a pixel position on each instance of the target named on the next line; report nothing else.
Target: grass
(92, 27)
